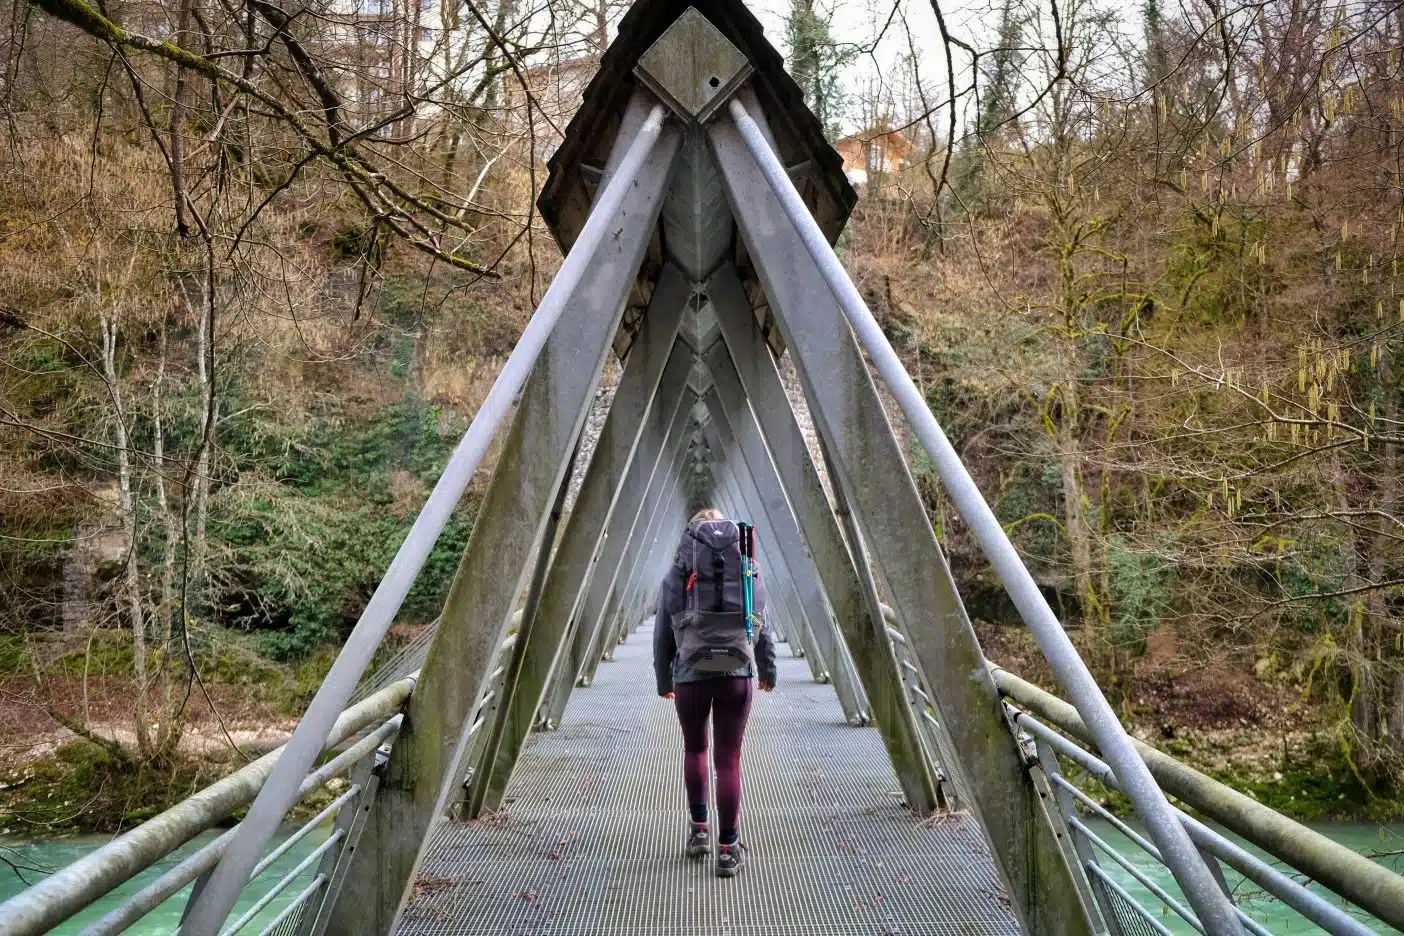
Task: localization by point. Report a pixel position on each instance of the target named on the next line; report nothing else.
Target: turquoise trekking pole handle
(748, 560)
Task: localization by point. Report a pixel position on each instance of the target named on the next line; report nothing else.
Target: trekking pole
(748, 560)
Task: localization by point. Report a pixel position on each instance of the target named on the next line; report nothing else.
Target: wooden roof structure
(696, 230)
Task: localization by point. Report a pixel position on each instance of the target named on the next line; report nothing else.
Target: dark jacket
(672, 599)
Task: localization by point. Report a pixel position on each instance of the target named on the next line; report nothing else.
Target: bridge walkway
(590, 840)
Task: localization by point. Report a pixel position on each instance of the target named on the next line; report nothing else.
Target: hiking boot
(730, 859)
(699, 842)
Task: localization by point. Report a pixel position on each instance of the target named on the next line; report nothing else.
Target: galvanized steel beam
(1215, 911)
(634, 506)
(426, 765)
(738, 422)
(650, 554)
(210, 908)
(743, 369)
(643, 386)
(481, 753)
(1095, 893)
(351, 821)
(641, 561)
(652, 469)
(868, 465)
(640, 564)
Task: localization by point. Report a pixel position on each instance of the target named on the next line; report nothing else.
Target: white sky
(861, 21)
(975, 21)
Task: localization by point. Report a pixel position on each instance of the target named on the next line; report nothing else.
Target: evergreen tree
(815, 60)
(999, 78)
(1154, 26)
(1001, 73)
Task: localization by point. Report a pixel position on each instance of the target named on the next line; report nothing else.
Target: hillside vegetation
(256, 277)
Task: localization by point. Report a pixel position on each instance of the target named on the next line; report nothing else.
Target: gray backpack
(710, 631)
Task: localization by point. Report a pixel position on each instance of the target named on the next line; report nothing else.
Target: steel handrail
(294, 905)
(70, 889)
(1338, 861)
(138, 905)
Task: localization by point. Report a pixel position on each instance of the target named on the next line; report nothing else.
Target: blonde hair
(707, 513)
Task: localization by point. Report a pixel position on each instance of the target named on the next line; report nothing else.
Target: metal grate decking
(591, 841)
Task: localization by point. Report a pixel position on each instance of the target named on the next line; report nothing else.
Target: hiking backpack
(711, 632)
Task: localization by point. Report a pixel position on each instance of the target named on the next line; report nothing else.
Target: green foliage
(14, 655)
(1153, 27)
(1141, 584)
(921, 462)
(340, 454)
(1318, 785)
(105, 652)
(49, 375)
(401, 355)
(1001, 72)
(816, 60)
(86, 788)
(1212, 268)
(307, 675)
(353, 243)
(407, 302)
(310, 553)
(1025, 506)
(953, 405)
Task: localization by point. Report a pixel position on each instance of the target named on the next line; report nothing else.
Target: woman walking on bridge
(707, 647)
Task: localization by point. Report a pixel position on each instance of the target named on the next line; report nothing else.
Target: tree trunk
(1358, 657)
(1383, 627)
(132, 580)
(208, 406)
(1075, 518)
(168, 735)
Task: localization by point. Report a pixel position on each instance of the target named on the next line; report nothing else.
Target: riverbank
(69, 759)
(1242, 724)
(1255, 735)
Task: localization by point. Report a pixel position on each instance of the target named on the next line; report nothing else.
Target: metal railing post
(352, 822)
(67, 891)
(1354, 877)
(738, 428)
(743, 370)
(640, 572)
(1067, 810)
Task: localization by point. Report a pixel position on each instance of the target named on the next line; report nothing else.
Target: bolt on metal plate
(693, 67)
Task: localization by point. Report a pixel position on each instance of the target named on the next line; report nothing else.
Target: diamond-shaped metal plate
(693, 67)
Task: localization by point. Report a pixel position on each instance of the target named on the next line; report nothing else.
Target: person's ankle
(728, 837)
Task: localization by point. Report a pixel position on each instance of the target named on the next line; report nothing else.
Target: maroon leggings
(728, 701)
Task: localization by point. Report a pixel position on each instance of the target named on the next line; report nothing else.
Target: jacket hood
(718, 534)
